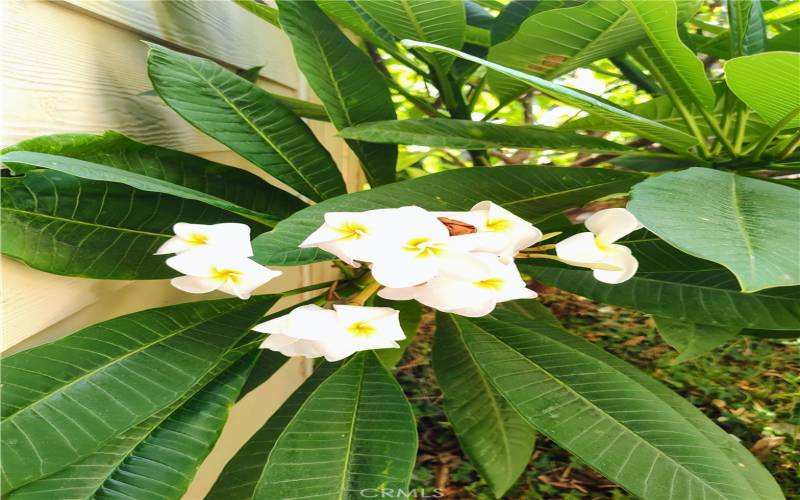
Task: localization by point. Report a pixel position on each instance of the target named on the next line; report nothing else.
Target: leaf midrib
(79, 222)
(351, 435)
(657, 450)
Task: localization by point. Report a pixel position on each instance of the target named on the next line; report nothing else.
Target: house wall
(79, 66)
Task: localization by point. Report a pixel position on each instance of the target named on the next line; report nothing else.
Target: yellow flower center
(601, 244)
(197, 239)
(495, 284)
(226, 275)
(352, 230)
(498, 225)
(361, 329)
(422, 247)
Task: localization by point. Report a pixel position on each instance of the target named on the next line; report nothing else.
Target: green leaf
(466, 134)
(241, 474)
(442, 22)
(345, 80)
(64, 400)
(693, 339)
(266, 365)
(245, 118)
(555, 42)
(410, 317)
(265, 12)
(497, 440)
(161, 170)
(599, 409)
(767, 83)
(533, 309)
(649, 129)
(785, 13)
(683, 71)
(156, 458)
(532, 192)
(249, 74)
(672, 284)
(355, 432)
(76, 227)
(350, 15)
(721, 217)
(748, 33)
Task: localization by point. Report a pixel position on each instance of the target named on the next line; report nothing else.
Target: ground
(750, 387)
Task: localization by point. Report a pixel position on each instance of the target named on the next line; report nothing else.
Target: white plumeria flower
(208, 270)
(312, 331)
(498, 231)
(596, 249)
(230, 237)
(351, 236)
(474, 296)
(416, 248)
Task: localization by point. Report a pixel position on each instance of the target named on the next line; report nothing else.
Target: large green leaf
(683, 71)
(748, 32)
(509, 20)
(466, 134)
(767, 83)
(223, 182)
(344, 78)
(649, 129)
(103, 173)
(241, 474)
(245, 118)
(64, 400)
(76, 227)
(437, 21)
(748, 225)
(158, 457)
(355, 432)
(531, 192)
(601, 410)
(672, 284)
(557, 41)
(497, 440)
(693, 339)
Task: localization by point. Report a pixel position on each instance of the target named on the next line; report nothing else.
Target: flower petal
(580, 248)
(195, 284)
(611, 224)
(398, 293)
(619, 256)
(404, 269)
(173, 245)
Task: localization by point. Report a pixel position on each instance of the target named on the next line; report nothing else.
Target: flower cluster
(456, 262)
(215, 257)
(460, 262)
(313, 331)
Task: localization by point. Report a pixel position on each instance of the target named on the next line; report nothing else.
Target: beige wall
(78, 66)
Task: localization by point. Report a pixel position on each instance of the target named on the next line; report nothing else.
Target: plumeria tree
(489, 168)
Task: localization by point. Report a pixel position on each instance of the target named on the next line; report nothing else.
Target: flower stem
(540, 248)
(368, 291)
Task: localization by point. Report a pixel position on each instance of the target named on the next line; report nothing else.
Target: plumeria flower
(233, 238)
(497, 230)
(208, 270)
(416, 248)
(351, 236)
(474, 296)
(595, 249)
(312, 331)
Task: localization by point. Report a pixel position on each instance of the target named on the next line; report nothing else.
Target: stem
(720, 134)
(793, 143)
(687, 116)
(348, 273)
(540, 248)
(773, 132)
(476, 94)
(309, 288)
(635, 76)
(727, 111)
(742, 113)
(369, 290)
